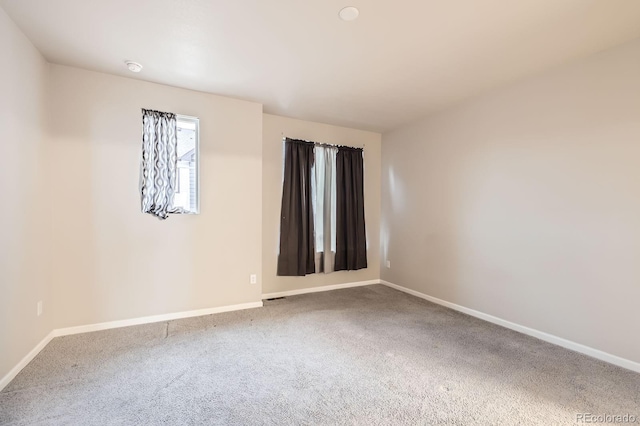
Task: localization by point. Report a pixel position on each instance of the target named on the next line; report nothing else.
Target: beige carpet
(364, 356)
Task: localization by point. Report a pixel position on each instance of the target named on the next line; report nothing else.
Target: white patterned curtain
(159, 163)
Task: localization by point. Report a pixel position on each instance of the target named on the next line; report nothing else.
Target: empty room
(316, 212)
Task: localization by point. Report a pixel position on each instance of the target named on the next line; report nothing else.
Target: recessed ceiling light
(133, 66)
(349, 13)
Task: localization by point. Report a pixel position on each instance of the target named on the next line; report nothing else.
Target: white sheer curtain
(324, 202)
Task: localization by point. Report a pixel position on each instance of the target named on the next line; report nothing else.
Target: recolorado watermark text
(607, 418)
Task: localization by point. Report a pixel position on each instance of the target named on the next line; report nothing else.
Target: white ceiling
(398, 61)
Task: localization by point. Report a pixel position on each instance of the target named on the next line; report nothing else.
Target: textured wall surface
(525, 203)
(111, 261)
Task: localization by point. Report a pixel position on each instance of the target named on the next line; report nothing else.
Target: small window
(187, 186)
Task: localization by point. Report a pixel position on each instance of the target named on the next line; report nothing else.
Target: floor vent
(275, 298)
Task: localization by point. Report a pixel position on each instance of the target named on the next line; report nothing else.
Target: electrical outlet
(388, 264)
(253, 279)
(40, 308)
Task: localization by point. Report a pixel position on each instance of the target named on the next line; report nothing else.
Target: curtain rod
(323, 144)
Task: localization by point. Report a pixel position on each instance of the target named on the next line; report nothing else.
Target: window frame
(196, 121)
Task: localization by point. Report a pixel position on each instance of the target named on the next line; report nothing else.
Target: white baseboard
(559, 341)
(24, 361)
(151, 319)
(117, 324)
(318, 289)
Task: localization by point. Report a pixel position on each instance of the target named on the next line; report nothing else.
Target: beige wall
(274, 128)
(25, 209)
(525, 204)
(112, 262)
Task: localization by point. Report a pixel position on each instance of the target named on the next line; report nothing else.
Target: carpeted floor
(365, 356)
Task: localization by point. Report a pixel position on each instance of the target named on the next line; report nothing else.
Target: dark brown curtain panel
(297, 254)
(351, 240)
